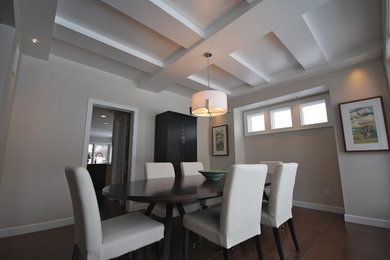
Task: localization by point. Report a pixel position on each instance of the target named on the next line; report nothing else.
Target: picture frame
(364, 125)
(220, 140)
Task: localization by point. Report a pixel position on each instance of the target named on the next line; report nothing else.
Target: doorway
(109, 144)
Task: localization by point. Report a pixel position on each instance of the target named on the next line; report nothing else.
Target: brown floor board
(321, 236)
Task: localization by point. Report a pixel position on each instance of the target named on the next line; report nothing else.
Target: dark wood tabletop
(171, 191)
(168, 190)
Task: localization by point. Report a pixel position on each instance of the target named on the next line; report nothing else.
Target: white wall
(365, 176)
(9, 60)
(47, 133)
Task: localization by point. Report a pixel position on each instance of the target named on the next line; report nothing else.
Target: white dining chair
(278, 209)
(192, 169)
(96, 239)
(238, 218)
(271, 169)
(155, 170)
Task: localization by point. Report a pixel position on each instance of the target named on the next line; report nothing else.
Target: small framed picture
(364, 125)
(220, 140)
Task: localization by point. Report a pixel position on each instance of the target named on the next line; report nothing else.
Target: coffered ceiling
(160, 44)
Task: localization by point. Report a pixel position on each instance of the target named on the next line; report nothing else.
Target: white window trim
(306, 104)
(284, 108)
(246, 114)
(295, 114)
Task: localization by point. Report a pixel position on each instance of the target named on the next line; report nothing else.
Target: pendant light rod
(208, 55)
(209, 103)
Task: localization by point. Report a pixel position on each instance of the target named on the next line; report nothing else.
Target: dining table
(170, 191)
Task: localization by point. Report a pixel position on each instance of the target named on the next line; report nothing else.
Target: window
(281, 118)
(255, 122)
(313, 112)
(99, 153)
(297, 114)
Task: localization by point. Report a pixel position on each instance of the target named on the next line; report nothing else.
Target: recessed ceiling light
(103, 116)
(34, 40)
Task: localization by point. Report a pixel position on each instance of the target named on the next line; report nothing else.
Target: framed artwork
(364, 125)
(220, 140)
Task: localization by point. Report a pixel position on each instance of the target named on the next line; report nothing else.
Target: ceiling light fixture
(103, 116)
(209, 103)
(34, 40)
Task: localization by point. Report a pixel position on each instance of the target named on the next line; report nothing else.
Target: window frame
(251, 113)
(93, 151)
(295, 115)
(272, 117)
(306, 104)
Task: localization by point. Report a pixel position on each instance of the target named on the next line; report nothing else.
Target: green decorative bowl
(214, 175)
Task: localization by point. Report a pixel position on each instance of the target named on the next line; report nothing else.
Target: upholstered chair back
(155, 170)
(191, 168)
(281, 195)
(85, 210)
(271, 165)
(241, 204)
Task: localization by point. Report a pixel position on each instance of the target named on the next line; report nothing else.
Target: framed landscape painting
(220, 140)
(364, 125)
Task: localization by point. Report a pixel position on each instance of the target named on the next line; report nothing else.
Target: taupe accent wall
(315, 152)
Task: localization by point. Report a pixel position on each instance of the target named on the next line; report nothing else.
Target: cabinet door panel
(175, 139)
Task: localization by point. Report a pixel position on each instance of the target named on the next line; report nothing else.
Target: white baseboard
(367, 221)
(321, 207)
(19, 230)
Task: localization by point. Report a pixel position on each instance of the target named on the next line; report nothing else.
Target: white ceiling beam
(103, 39)
(298, 39)
(92, 45)
(193, 84)
(75, 53)
(208, 84)
(172, 12)
(239, 71)
(249, 66)
(158, 20)
(274, 13)
(38, 23)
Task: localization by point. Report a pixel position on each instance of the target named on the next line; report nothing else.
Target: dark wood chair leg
(180, 208)
(258, 247)
(185, 244)
(226, 254)
(150, 208)
(160, 246)
(130, 255)
(277, 241)
(292, 231)
(76, 252)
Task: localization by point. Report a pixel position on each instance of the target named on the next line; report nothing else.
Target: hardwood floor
(321, 236)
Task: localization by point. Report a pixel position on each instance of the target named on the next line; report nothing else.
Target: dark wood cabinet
(175, 139)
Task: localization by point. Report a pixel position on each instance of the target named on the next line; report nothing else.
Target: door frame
(133, 128)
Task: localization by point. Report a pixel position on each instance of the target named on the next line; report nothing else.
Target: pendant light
(209, 103)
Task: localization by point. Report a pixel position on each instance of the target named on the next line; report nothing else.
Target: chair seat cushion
(129, 232)
(204, 223)
(268, 219)
(211, 201)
